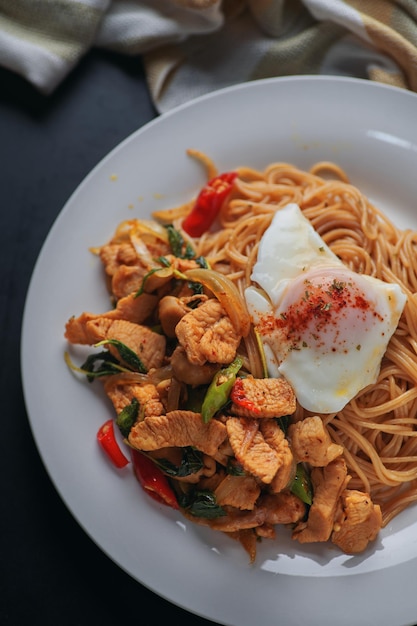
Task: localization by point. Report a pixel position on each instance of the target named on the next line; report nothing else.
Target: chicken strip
(178, 429)
(207, 334)
(262, 397)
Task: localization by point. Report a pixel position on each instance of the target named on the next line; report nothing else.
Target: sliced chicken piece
(275, 438)
(121, 394)
(251, 450)
(135, 308)
(358, 522)
(127, 280)
(311, 442)
(128, 247)
(180, 264)
(240, 492)
(148, 345)
(113, 255)
(207, 334)
(178, 429)
(262, 397)
(328, 484)
(131, 309)
(262, 450)
(282, 508)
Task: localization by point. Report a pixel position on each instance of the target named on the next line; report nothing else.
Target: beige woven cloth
(192, 47)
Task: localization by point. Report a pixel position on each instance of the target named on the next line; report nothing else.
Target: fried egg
(324, 327)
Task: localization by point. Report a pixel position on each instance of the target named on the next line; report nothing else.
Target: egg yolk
(324, 309)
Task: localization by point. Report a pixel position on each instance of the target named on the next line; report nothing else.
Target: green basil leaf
(180, 248)
(191, 463)
(163, 261)
(127, 355)
(203, 504)
(144, 279)
(98, 365)
(127, 417)
(202, 262)
(234, 468)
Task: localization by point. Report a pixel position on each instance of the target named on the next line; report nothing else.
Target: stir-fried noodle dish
(259, 349)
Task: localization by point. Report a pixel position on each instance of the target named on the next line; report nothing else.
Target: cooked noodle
(377, 428)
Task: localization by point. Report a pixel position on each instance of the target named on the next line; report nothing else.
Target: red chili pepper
(108, 442)
(208, 204)
(153, 480)
(238, 396)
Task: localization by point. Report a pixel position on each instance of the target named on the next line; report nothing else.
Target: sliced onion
(151, 228)
(142, 251)
(256, 355)
(127, 378)
(123, 231)
(227, 294)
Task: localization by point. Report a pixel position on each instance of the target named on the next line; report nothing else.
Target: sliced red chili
(238, 396)
(108, 442)
(208, 204)
(153, 480)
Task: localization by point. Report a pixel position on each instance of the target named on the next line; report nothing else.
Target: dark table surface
(52, 573)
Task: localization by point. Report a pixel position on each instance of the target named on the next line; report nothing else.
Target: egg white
(323, 327)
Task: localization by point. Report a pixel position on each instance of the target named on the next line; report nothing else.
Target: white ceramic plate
(371, 131)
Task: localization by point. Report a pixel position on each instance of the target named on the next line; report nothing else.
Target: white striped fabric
(191, 47)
